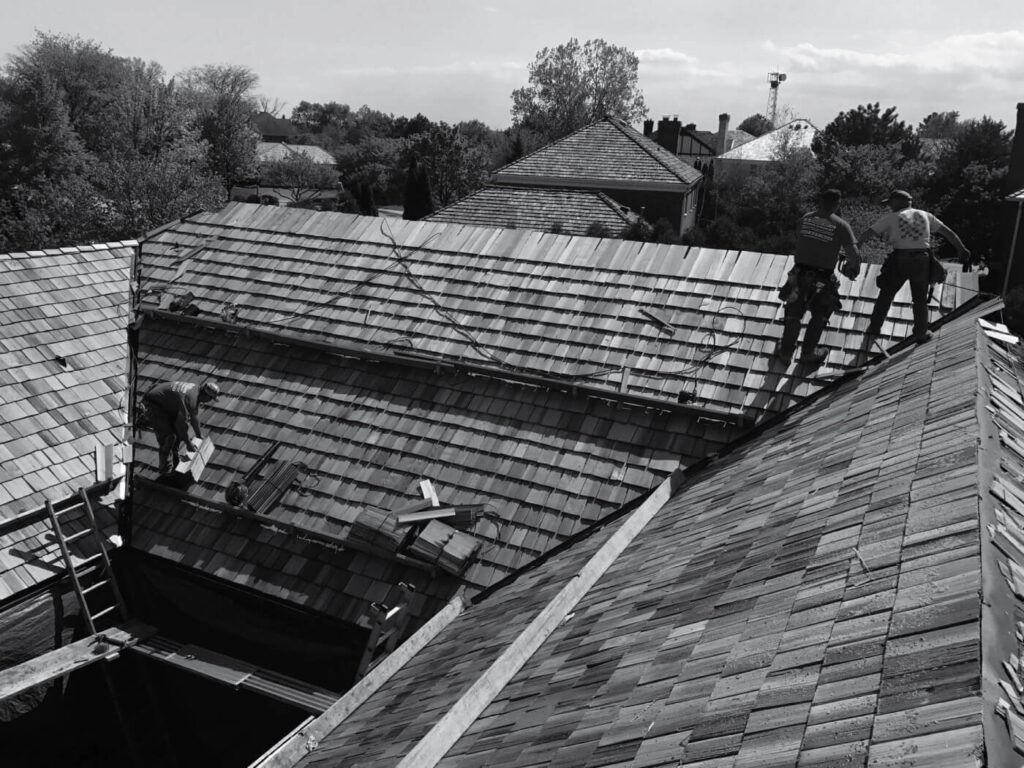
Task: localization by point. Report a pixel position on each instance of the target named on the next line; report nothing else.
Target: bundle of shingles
(444, 546)
(375, 528)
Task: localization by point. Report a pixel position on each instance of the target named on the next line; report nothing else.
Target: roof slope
(812, 598)
(491, 362)
(643, 319)
(540, 208)
(796, 134)
(608, 150)
(271, 151)
(63, 390)
(63, 368)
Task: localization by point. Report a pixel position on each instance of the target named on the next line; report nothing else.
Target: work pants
(899, 267)
(807, 290)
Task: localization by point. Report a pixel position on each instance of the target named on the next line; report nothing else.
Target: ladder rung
(95, 586)
(66, 510)
(104, 612)
(77, 536)
(88, 560)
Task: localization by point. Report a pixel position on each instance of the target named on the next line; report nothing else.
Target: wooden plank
(71, 657)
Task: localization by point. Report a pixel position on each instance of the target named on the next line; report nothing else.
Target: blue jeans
(899, 267)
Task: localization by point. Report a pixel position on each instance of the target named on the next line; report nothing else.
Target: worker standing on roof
(812, 285)
(173, 406)
(909, 231)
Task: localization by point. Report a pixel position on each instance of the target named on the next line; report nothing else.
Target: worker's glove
(195, 442)
(850, 269)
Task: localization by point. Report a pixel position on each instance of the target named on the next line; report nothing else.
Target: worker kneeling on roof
(812, 285)
(172, 407)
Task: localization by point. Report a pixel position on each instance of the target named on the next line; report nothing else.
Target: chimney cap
(724, 116)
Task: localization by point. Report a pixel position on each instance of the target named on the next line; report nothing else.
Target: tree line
(953, 167)
(96, 147)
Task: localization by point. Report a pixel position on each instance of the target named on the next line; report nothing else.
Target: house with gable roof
(852, 601)
(754, 155)
(612, 157)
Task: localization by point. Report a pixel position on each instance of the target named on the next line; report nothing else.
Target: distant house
(612, 157)
(569, 211)
(274, 129)
(692, 145)
(756, 154)
(268, 152)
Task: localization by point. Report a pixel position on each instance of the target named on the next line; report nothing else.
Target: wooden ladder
(97, 565)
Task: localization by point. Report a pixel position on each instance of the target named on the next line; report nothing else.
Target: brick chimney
(668, 133)
(648, 128)
(723, 134)
(1013, 271)
(1015, 177)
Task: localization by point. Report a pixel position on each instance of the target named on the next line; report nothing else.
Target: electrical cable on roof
(399, 258)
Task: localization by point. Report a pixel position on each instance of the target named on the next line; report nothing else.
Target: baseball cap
(211, 390)
(899, 194)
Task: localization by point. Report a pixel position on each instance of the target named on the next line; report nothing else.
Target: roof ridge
(541, 148)
(640, 140)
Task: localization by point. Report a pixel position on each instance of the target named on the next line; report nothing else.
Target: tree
(418, 200)
(966, 188)
(756, 125)
(224, 101)
(454, 167)
(867, 124)
(301, 176)
(93, 147)
(572, 86)
(939, 125)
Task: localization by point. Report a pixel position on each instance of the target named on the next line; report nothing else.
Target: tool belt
(810, 289)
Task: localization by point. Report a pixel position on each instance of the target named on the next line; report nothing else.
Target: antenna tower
(775, 79)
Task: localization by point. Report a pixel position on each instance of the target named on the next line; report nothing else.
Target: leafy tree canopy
(756, 125)
(573, 85)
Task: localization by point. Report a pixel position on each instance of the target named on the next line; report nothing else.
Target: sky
(455, 60)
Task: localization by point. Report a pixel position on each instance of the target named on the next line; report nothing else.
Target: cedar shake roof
(63, 388)
(491, 362)
(607, 152)
(813, 597)
(540, 208)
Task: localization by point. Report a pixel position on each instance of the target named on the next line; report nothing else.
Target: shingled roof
(537, 375)
(606, 152)
(829, 591)
(572, 211)
(271, 151)
(63, 388)
(796, 134)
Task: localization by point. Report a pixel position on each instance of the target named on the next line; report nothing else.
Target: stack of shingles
(374, 528)
(444, 546)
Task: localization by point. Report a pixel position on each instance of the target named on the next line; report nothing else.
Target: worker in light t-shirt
(909, 231)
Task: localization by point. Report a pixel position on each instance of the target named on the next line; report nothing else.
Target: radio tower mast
(774, 80)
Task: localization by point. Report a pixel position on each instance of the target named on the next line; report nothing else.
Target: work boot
(923, 338)
(787, 344)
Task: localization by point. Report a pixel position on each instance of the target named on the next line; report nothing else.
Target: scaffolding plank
(237, 673)
(73, 656)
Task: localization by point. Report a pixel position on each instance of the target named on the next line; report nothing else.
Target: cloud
(658, 55)
(657, 63)
(992, 53)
